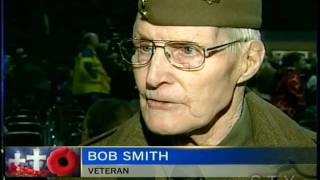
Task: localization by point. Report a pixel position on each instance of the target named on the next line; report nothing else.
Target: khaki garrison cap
(218, 13)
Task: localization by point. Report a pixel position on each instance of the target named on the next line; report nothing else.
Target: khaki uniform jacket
(261, 125)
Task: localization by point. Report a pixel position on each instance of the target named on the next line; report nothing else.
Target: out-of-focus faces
(174, 101)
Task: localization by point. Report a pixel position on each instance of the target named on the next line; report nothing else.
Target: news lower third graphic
(159, 162)
(195, 162)
(42, 161)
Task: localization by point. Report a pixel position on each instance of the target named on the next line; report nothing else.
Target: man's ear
(251, 59)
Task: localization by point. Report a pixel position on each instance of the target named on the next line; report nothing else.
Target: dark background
(68, 20)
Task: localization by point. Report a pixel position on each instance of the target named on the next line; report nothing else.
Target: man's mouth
(160, 104)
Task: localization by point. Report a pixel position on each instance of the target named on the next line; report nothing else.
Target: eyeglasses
(183, 55)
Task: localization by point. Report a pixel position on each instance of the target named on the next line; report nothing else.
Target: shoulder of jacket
(116, 135)
(310, 133)
(273, 127)
(100, 137)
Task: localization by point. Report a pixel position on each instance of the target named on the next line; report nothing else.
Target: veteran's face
(174, 101)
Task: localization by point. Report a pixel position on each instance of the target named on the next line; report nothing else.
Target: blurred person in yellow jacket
(90, 80)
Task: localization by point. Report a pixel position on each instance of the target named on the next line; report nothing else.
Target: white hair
(232, 34)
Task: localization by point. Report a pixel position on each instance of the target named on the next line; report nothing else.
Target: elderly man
(191, 60)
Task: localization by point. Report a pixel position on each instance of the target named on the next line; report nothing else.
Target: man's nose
(159, 70)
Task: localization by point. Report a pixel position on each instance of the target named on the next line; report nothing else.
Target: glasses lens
(127, 50)
(145, 50)
(136, 52)
(184, 55)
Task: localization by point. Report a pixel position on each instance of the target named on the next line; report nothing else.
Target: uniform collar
(241, 133)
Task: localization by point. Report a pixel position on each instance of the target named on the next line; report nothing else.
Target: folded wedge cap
(217, 13)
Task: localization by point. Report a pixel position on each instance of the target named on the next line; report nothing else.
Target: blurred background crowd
(65, 81)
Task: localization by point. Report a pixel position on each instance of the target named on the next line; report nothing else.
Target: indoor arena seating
(65, 118)
(23, 128)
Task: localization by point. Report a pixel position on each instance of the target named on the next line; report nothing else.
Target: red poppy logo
(63, 161)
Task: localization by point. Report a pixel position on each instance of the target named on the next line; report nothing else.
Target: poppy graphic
(62, 161)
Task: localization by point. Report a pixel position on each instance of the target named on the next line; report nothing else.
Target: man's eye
(188, 50)
(145, 48)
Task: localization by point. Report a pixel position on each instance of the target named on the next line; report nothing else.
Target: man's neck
(222, 127)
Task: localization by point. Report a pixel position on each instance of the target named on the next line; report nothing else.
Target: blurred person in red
(289, 94)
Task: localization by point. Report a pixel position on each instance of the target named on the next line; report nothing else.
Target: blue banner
(195, 156)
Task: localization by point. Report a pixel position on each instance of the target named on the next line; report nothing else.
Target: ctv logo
(42, 161)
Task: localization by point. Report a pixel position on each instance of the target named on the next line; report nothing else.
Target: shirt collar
(241, 132)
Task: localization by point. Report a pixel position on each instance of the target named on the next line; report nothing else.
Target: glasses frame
(207, 52)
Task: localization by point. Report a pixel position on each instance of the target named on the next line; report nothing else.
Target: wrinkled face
(174, 101)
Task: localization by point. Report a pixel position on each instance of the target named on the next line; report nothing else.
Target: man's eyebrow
(138, 35)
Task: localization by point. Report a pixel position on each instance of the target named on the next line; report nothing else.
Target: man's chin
(164, 128)
(163, 132)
